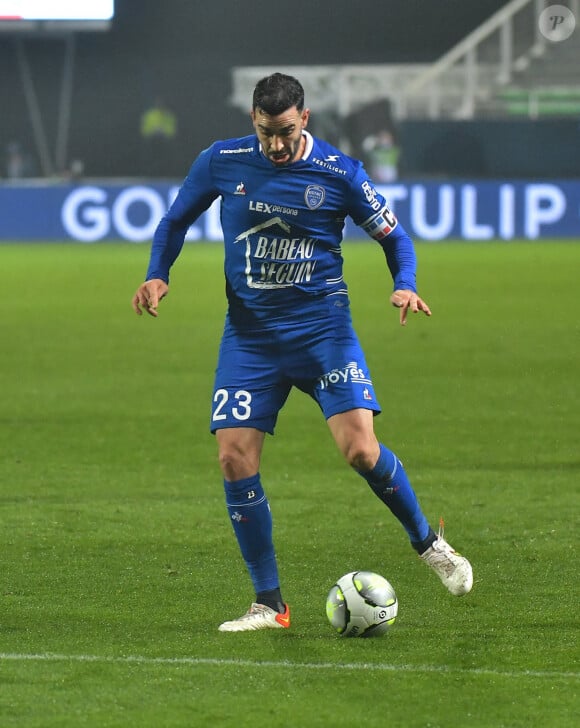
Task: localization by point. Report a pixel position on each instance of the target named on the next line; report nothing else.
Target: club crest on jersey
(314, 196)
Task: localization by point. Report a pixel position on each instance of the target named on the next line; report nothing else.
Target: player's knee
(236, 464)
(230, 460)
(360, 455)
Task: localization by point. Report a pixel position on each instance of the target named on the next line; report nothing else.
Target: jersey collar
(309, 144)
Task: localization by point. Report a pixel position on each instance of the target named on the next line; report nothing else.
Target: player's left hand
(407, 301)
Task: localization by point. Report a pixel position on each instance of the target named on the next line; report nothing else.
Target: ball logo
(314, 196)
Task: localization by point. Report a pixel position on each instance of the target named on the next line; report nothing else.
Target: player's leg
(246, 404)
(384, 472)
(249, 510)
(346, 396)
(354, 434)
(239, 451)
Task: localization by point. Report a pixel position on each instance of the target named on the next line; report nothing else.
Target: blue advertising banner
(466, 210)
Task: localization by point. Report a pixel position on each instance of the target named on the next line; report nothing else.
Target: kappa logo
(240, 189)
(314, 196)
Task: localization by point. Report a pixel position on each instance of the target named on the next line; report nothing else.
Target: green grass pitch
(117, 558)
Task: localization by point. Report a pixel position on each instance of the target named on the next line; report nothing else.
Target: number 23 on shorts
(237, 405)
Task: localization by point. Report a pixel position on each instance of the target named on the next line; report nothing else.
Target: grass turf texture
(118, 561)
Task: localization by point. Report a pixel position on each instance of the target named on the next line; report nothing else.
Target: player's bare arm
(148, 296)
(407, 301)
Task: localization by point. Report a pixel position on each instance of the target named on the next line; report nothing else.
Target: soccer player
(284, 199)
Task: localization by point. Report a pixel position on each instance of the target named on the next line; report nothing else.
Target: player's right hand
(148, 296)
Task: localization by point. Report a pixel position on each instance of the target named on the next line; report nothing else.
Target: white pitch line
(285, 664)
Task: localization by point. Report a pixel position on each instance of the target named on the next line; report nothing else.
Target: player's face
(281, 136)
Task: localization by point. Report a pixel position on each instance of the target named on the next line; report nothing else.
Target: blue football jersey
(282, 226)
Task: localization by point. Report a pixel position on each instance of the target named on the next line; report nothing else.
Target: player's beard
(288, 155)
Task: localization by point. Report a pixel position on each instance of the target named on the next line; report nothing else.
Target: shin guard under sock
(390, 483)
(250, 515)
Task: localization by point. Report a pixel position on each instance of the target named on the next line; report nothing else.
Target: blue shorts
(257, 369)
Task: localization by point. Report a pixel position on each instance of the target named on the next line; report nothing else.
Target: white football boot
(258, 616)
(452, 568)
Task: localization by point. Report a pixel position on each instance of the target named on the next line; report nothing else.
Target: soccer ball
(361, 604)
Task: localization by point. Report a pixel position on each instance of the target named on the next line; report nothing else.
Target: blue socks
(251, 519)
(250, 515)
(390, 483)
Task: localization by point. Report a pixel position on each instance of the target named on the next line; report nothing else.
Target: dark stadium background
(185, 50)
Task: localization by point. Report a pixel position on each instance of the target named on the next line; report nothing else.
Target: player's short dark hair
(277, 93)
